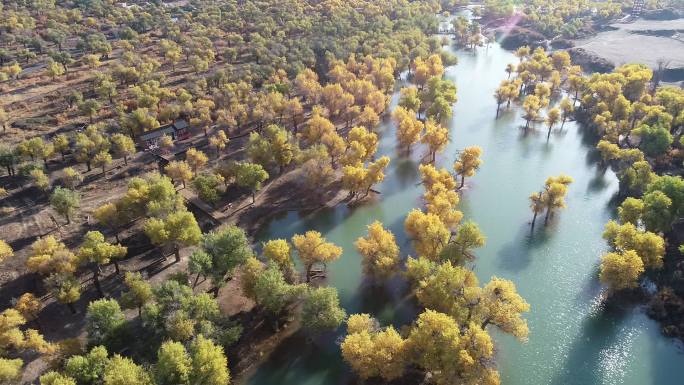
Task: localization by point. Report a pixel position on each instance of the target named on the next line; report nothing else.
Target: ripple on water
(614, 360)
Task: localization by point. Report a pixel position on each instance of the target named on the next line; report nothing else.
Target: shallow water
(574, 339)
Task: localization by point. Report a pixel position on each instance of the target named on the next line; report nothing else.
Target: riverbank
(601, 46)
(649, 42)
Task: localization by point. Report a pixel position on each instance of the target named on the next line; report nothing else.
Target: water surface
(574, 338)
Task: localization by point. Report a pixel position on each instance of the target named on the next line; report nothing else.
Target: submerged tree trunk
(546, 218)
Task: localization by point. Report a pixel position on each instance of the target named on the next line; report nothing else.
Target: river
(574, 337)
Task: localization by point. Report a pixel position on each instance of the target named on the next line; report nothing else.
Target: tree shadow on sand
(297, 359)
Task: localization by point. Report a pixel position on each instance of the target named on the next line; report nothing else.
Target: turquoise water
(574, 337)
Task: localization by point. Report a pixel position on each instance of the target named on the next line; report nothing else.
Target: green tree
(673, 187)
(178, 229)
(251, 176)
(200, 263)
(321, 310)
(89, 108)
(174, 365)
(209, 363)
(10, 370)
(468, 237)
(65, 288)
(96, 252)
(87, 369)
(54, 378)
(65, 202)
(105, 87)
(655, 140)
(273, 294)
(139, 121)
(228, 248)
(657, 211)
(123, 146)
(102, 159)
(208, 187)
(90, 143)
(139, 292)
(123, 371)
(104, 321)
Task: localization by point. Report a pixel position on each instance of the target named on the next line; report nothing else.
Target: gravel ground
(626, 45)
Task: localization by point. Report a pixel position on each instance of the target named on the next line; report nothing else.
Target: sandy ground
(628, 45)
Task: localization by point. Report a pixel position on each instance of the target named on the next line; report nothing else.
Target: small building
(178, 130)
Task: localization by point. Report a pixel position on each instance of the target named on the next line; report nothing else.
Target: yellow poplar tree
(468, 162)
(431, 176)
(428, 232)
(196, 159)
(313, 248)
(48, 255)
(436, 137)
(179, 170)
(5, 250)
(371, 352)
(621, 271)
(408, 131)
(379, 251)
